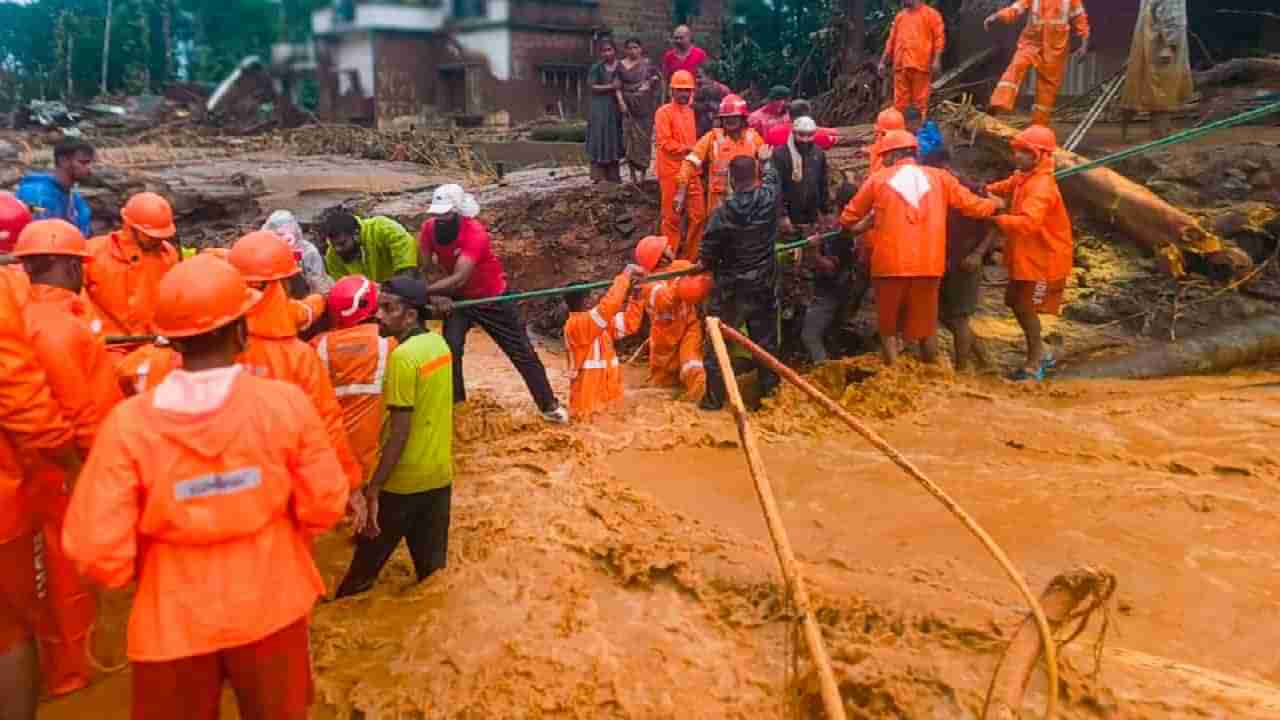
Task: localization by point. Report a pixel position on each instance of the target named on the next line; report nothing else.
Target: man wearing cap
(208, 492)
(458, 243)
(675, 132)
(126, 266)
(914, 50)
(776, 111)
(377, 247)
(60, 322)
(411, 489)
(356, 354)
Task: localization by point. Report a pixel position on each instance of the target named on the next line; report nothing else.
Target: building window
(564, 86)
(471, 8)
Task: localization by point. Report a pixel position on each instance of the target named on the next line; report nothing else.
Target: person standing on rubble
(605, 145)
(1045, 44)
(208, 491)
(53, 195)
(411, 490)
(377, 247)
(908, 241)
(675, 134)
(126, 266)
(1158, 79)
(739, 253)
(914, 50)
(712, 155)
(458, 243)
(356, 356)
(641, 92)
(1039, 249)
(81, 375)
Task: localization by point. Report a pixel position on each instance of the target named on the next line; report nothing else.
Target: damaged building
(475, 62)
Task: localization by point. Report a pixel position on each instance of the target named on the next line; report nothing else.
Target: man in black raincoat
(738, 250)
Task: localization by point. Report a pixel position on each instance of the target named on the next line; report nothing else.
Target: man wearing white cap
(458, 243)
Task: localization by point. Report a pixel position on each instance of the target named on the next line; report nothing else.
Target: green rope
(1175, 139)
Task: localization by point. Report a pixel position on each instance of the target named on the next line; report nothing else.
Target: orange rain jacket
(1045, 44)
(276, 352)
(712, 154)
(911, 240)
(30, 419)
(211, 513)
(675, 133)
(675, 335)
(356, 358)
(595, 375)
(1037, 228)
(917, 37)
(121, 281)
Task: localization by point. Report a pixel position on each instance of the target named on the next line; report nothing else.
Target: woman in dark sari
(604, 124)
(641, 82)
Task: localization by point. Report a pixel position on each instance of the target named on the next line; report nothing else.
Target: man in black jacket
(738, 250)
(802, 174)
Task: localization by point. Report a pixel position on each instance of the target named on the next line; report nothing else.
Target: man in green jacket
(378, 248)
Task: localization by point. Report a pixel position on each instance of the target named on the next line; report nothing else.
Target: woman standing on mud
(604, 124)
(641, 82)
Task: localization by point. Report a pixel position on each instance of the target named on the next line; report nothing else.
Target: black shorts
(958, 297)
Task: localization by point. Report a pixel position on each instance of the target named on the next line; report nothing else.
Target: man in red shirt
(683, 55)
(779, 135)
(459, 244)
(776, 111)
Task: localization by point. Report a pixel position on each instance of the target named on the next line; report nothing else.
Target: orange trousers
(672, 222)
(678, 360)
(68, 614)
(1048, 79)
(911, 87)
(698, 217)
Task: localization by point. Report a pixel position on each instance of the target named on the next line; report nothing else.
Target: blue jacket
(49, 200)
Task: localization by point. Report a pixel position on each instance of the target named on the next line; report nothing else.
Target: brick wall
(653, 20)
(548, 71)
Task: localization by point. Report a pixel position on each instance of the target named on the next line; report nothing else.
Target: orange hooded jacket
(121, 281)
(212, 512)
(30, 419)
(1037, 228)
(356, 358)
(276, 352)
(909, 238)
(594, 372)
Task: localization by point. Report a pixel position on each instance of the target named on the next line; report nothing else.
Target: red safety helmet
(13, 217)
(649, 252)
(201, 295)
(733, 106)
(352, 300)
(149, 214)
(51, 237)
(1037, 138)
(890, 119)
(694, 289)
(898, 140)
(683, 80)
(263, 256)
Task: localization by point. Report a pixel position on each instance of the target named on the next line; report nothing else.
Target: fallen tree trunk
(1216, 352)
(1109, 196)
(1240, 70)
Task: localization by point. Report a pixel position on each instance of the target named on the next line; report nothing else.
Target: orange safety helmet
(890, 119)
(683, 80)
(898, 140)
(694, 289)
(149, 214)
(13, 217)
(1037, 138)
(201, 295)
(352, 300)
(263, 256)
(733, 106)
(51, 237)
(649, 252)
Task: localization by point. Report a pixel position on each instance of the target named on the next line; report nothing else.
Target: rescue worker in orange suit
(1045, 45)
(887, 121)
(675, 133)
(675, 330)
(1038, 247)
(80, 374)
(14, 216)
(914, 50)
(908, 242)
(32, 430)
(208, 491)
(356, 354)
(127, 265)
(712, 154)
(595, 375)
(274, 350)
